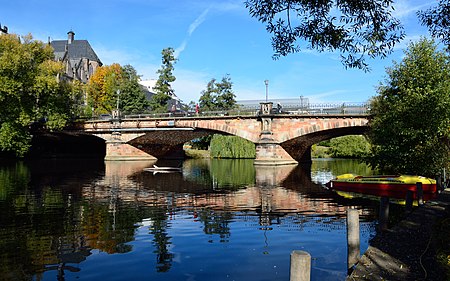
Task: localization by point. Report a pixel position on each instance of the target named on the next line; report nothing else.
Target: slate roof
(76, 50)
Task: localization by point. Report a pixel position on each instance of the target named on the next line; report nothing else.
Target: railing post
(300, 266)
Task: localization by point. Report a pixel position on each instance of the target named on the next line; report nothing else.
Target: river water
(214, 220)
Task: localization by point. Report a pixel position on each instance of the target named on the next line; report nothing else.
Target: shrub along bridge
(281, 137)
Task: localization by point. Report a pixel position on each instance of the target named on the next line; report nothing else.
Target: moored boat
(389, 186)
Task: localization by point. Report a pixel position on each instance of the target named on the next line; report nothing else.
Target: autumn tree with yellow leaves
(113, 85)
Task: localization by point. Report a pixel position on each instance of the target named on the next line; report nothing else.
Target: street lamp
(118, 96)
(267, 89)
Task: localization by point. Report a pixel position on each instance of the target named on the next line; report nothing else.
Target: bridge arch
(300, 147)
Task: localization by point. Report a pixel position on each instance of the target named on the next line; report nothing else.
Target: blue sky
(212, 38)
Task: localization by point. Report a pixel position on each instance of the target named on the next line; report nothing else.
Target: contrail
(192, 27)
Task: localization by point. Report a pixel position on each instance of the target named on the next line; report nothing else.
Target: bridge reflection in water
(71, 211)
(232, 185)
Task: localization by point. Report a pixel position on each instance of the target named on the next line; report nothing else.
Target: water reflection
(55, 214)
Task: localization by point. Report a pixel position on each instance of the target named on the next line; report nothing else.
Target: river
(215, 220)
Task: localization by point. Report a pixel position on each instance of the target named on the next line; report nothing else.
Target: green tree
(218, 95)
(355, 28)
(436, 19)
(132, 97)
(163, 88)
(409, 131)
(30, 91)
(349, 147)
(104, 85)
(231, 147)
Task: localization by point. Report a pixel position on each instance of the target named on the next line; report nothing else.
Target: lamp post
(267, 89)
(118, 97)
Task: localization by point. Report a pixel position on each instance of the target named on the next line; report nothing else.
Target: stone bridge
(280, 139)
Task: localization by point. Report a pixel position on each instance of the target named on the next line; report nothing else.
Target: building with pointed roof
(79, 58)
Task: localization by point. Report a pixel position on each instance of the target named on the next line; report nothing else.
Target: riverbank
(409, 250)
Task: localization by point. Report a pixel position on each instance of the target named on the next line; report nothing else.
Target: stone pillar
(272, 154)
(266, 108)
(118, 149)
(122, 151)
(268, 151)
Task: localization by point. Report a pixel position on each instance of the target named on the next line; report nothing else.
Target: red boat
(384, 186)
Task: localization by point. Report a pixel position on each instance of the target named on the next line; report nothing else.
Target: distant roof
(77, 49)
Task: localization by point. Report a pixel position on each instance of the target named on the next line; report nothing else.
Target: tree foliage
(103, 86)
(132, 97)
(355, 28)
(349, 147)
(113, 83)
(437, 21)
(30, 91)
(218, 95)
(163, 88)
(410, 128)
(231, 147)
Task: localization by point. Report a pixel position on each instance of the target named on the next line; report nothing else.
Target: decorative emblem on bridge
(266, 108)
(266, 121)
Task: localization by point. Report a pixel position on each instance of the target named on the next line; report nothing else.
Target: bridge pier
(268, 151)
(122, 151)
(272, 154)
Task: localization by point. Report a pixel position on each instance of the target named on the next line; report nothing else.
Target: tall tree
(103, 86)
(410, 132)
(355, 28)
(114, 85)
(163, 87)
(30, 91)
(218, 95)
(132, 97)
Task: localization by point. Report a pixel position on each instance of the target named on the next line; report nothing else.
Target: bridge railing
(309, 109)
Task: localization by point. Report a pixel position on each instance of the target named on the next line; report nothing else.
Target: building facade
(79, 59)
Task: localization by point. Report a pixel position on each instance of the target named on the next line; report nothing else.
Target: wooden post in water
(439, 185)
(409, 200)
(300, 266)
(384, 213)
(419, 192)
(352, 237)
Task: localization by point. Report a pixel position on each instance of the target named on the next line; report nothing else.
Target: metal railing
(309, 109)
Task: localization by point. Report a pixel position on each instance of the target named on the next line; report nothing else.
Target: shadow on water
(54, 214)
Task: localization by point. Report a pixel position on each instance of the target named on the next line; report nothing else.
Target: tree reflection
(161, 240)
(215, 222)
